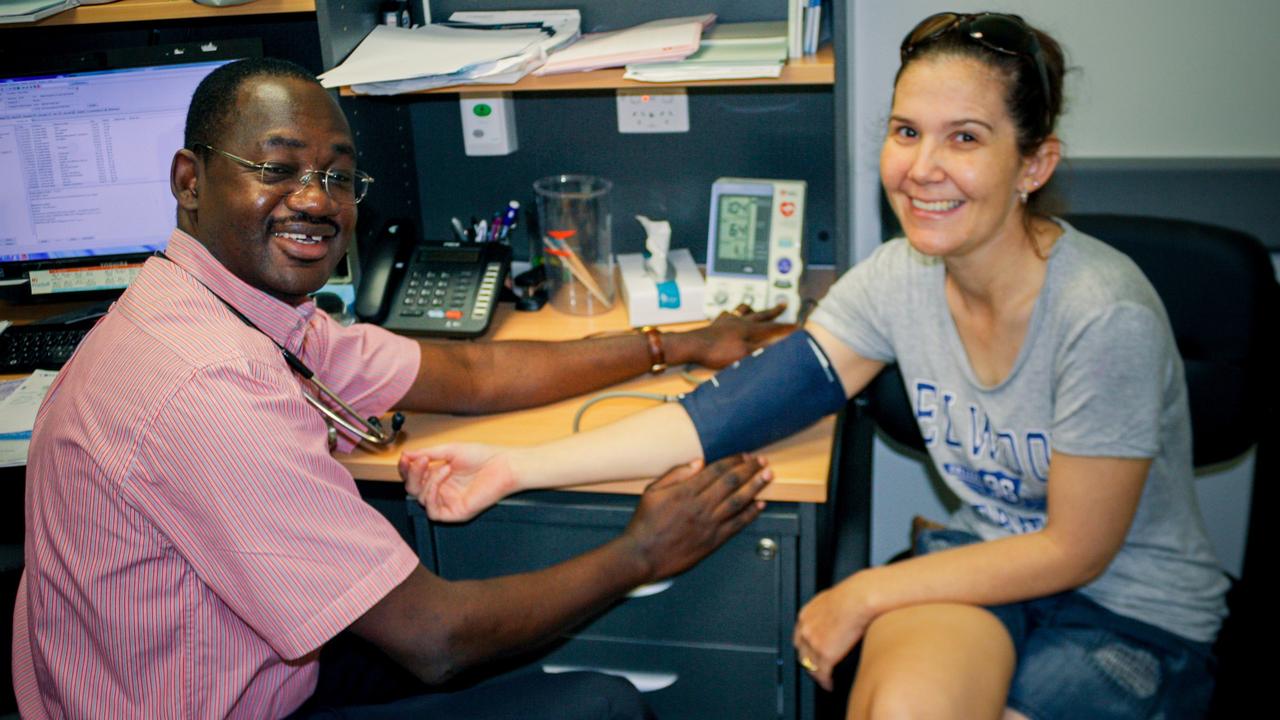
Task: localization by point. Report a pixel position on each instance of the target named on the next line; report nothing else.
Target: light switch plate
(660, 110)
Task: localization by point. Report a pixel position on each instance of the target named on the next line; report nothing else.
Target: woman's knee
(933, 661)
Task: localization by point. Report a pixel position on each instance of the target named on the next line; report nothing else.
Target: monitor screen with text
(84, 165)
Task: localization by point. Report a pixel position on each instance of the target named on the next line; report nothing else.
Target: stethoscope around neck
(368, 429)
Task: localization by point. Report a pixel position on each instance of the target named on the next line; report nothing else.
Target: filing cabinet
(712, 642)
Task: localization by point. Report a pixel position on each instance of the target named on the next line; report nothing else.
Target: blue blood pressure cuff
(764, 397)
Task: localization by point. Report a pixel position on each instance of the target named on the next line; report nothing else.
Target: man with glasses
(191, 542)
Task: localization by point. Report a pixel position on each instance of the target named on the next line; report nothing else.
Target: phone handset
(381, 275)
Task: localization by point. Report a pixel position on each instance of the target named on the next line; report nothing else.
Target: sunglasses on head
(1000, 32)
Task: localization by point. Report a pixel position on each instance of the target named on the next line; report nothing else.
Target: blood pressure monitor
(753, 245)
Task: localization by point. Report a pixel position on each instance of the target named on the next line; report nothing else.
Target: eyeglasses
(1003, 33)
(344, 187)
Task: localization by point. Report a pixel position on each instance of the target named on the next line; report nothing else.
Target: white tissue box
(644, 305)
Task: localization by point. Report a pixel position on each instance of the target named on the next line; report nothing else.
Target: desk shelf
(124, 11)
(818, 69)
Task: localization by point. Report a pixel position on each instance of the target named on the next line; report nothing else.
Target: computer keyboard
(24, 348)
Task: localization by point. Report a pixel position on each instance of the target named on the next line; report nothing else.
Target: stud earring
(1025, 193)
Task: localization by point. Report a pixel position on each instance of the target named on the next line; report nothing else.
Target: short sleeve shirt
(1098, 374)
(191, 542)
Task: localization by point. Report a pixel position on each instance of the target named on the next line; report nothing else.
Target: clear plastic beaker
(577, 242)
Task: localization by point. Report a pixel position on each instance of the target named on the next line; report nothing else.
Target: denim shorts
(1077, 659)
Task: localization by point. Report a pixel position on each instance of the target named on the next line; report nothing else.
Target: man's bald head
(214, 103)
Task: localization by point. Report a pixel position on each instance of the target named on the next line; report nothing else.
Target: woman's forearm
(989, 573)
(646, 444)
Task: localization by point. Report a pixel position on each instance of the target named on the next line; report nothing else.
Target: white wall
(1153, 79)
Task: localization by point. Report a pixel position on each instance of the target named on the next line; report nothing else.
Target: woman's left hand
(828, 627)
(458, 481)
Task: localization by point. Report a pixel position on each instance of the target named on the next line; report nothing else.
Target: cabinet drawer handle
(650, 589)
(644, 681)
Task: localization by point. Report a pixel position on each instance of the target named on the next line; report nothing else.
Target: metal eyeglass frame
(360, 178)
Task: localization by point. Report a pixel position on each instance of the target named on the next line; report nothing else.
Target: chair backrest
(1218, 287)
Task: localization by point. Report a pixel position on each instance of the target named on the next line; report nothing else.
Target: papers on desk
(660, 40)
(394, 60)
(18, 415)
(728, 51)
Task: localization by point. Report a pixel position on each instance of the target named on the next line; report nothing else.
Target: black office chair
(1222, 298)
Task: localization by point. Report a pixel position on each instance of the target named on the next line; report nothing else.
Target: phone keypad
(449, 291)
(438, 293)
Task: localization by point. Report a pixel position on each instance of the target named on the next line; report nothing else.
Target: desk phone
(440, 288)
(754, 245)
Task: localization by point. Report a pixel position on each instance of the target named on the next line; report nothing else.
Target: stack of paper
(563, 28)
(394, 60)
(729, 51)
(660, 40)
(22, 11)
(18, 415)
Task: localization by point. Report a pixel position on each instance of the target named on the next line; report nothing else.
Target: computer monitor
(84, 170)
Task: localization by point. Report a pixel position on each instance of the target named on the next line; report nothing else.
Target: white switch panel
(660, 110)
(489, 124)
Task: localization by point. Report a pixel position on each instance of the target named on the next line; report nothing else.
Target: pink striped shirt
(191, 543)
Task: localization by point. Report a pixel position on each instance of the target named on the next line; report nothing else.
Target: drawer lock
(766, 549)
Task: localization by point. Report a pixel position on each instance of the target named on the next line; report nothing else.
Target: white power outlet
(660, 110)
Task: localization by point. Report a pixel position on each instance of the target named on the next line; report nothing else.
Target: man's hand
(680, 518)
(728, 338)
(692, 510)
(456, 482)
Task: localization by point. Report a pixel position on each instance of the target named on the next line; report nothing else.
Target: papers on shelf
(729, 51)
(747, 33)
(24, 11)
(18, 416)
(660, 40)
(395, 60)
(393, 53)
(563, 27)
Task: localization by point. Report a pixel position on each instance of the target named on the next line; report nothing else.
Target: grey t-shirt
(1097, 375)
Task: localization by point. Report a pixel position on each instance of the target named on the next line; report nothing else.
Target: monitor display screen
(84, 172)
(742, 234)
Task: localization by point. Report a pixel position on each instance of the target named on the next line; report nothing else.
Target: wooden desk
(715, 641)
(800, 463)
